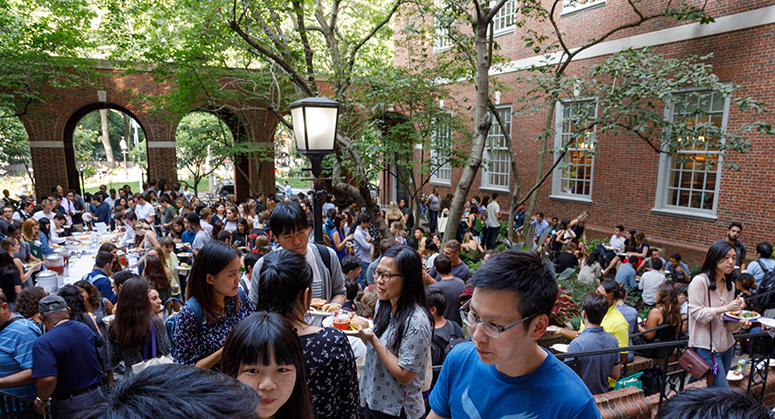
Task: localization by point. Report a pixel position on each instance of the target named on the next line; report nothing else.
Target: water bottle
(738, 349)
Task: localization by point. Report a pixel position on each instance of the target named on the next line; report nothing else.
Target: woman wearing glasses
(394, 370)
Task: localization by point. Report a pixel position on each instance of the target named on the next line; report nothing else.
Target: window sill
(499, 189)
(505, 31)
(440, 50)
(440, 182)
(694, 215)
(571, 10)
(572, 198)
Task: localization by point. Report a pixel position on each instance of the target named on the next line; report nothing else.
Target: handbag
(695, 365)
(164, 359)
(632, 380)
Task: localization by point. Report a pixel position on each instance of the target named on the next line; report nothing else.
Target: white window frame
(441, 40)
(506, 13)
(495, 137)
(441, 148)
(661, 205)
(557, 192)
(573, 6)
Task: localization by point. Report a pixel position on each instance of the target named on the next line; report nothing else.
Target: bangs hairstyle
(409, 265)
(261, 337)
(211, 260)
(283, 278)
(523, 273)
(287, 217)
(718, 251)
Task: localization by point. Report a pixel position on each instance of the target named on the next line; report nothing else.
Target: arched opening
(16, 173)
(203, 148)
(105, 144)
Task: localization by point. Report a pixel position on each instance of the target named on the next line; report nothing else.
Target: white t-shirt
(144, 212)
(493, 209)
(40, 214)
(649, 283)
(617, 242)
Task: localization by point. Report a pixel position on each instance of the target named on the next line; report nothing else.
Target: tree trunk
(105, 137)
(482, 122)
(540, 169)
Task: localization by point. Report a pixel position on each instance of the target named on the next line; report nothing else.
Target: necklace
(57, 323)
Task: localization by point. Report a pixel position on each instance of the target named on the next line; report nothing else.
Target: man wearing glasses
(503, 372)
(6, 220)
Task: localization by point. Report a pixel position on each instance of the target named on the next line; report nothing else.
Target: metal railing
(672, 376)
(14, 407)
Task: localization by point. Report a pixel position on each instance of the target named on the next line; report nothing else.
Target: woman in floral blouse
(214, 283)
(285, 287)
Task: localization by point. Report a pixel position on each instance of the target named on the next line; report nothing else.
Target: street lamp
(314, 126)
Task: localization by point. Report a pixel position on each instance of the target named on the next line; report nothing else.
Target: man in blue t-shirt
(100, 275)
(65, 363)
(503, 372)
(596, 369)
(626, 274)
(16, 339)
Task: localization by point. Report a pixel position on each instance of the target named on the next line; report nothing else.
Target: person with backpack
(215, 305)
(763, 265)
(289, 225)
(446, 334)
(100, 275)
(476, 223)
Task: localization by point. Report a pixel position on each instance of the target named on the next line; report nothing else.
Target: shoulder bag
(695, 365)
(149, 362)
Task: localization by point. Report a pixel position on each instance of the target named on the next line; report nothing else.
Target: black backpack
(767, 286)
(441, 347)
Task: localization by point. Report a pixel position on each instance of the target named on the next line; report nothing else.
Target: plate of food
(347, 322)
(320, 307)
(184, 267)
(734, 376)
(560, 347)
(185, 255)
(744, 314)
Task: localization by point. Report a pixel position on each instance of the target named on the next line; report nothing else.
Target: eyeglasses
(491, 330)
(386, 276)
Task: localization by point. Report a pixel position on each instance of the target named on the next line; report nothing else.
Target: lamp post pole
(317, 201)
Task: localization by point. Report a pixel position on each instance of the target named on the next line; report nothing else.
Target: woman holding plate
(711, 294)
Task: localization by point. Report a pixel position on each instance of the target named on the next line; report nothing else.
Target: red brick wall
(625, 169)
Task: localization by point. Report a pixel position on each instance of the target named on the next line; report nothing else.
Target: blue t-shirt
(102, 282)
(625, 274)
(16, 343)
(68, 352)
(188, 236)
(470, 389)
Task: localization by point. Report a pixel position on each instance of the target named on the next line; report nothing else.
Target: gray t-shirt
(434, 203)
(452, 288)
(493, 210)
(200, 240)
(379, 388)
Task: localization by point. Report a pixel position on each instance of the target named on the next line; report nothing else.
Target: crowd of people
(243, 309)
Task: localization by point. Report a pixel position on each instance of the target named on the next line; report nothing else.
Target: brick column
(162, 161)
(48, 162)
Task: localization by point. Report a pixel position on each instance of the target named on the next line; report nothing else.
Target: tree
(15, 144)
(200, 145)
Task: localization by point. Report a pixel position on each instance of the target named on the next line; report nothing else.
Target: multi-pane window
(573, 176)
(505, 18)
(692, 173)
(441, 38)
(497, 156)
(569, 6)
(441, 152)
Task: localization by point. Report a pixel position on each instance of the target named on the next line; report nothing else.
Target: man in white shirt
(129, 232)
(111, 200)
(25, 212)
(493, 221)
(616, 244)
(651, 281)
(205, 216)
(144, 209)
(55, 226)
(46, 210)
(69, 205)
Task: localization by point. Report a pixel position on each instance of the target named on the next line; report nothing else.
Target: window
(441, 152)
(689, 179)
(496, 169)
(504, 20)
(441, 38)
(570, 6)
(572, 178)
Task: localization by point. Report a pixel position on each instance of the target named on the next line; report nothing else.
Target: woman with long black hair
(398, 347)
(711, 294)
(264, 352)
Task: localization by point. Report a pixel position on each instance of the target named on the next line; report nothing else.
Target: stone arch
(69, 129)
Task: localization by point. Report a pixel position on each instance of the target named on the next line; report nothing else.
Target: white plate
(321, 313)
(182, 268)
(552, 329)
(772, 362)
(728, 313)
(734, 376)
(184, 255)
(560, 347)
(767, 321)
(329, 322)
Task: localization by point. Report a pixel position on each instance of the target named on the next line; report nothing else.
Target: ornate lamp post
(314, 126)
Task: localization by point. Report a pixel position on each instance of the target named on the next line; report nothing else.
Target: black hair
(735, 224)
(192, 218)
(443, 264)
(120, 277)
(616, 288)
(523, 273)
(620, 227)
(363, 218)
(349, 264)
(45, 227)
(351, 289)
(494, 196)
(717, 251)
(60, 217)
(251, 259)
(103, 258)
(656, 264)
(175, 391)
(131, 216)
(438, 299)
(633, 260)
(712, 403)
(223, 236)
(682, 289)
(287, 217)
(259, 338)
(212, 259)
(764, 249)
(540, 214)
(331, 213)
(592, 258)
(595, 305)
(409, 265)
(283, 278)
(676, 256)
(77, 305)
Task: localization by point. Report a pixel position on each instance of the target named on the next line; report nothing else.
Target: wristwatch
(39, 400)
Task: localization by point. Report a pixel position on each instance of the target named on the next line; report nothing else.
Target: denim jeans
(724, 361)
(492, 237)
(73, 407)
(605, 254)
(433, 217)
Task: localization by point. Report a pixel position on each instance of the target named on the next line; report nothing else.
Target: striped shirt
(16, 354)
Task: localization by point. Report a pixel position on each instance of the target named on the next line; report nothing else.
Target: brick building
(625, 182)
